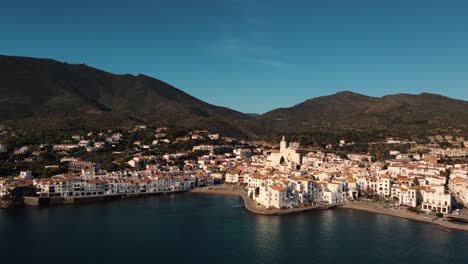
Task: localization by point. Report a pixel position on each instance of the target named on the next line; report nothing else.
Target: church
(288, 154)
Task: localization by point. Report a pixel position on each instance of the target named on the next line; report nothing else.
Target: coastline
(252, 207)
(374, 208)
(34, 201)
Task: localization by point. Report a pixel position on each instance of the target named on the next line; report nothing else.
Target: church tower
(283, 144)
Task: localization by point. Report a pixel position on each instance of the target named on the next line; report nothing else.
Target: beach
(404, 213)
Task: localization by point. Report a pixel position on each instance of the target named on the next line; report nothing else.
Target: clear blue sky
(254, 55)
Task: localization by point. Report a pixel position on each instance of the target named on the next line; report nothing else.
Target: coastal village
(281, 179)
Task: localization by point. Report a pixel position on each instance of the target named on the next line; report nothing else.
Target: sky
(254, 55)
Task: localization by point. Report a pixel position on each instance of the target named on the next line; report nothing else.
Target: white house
(232, 177)
(272, 196)
(334, 192)
(435, 199)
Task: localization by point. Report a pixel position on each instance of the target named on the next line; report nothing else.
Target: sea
(200, 228)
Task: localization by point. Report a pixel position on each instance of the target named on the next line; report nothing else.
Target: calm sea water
(194, 228)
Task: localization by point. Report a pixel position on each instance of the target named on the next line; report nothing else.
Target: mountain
(357, 111)
(47, 94)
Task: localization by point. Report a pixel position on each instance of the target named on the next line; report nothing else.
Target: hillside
(47, 94)
(357, 111)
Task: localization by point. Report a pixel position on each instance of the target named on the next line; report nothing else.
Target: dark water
(193, 228)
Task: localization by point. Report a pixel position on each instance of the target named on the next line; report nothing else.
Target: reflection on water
(266, 235)
(187, 227)
(328, 224)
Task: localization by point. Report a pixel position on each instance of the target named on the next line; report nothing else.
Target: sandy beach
(403, 213)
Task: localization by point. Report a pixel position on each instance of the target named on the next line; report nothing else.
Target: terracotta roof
(278, 187)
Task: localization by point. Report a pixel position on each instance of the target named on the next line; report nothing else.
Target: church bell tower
(283, 144)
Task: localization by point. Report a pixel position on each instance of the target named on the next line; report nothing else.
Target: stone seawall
(36, 201)
(250, 205)
(52, 201)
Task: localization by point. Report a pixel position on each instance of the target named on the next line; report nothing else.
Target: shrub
(414, 209)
